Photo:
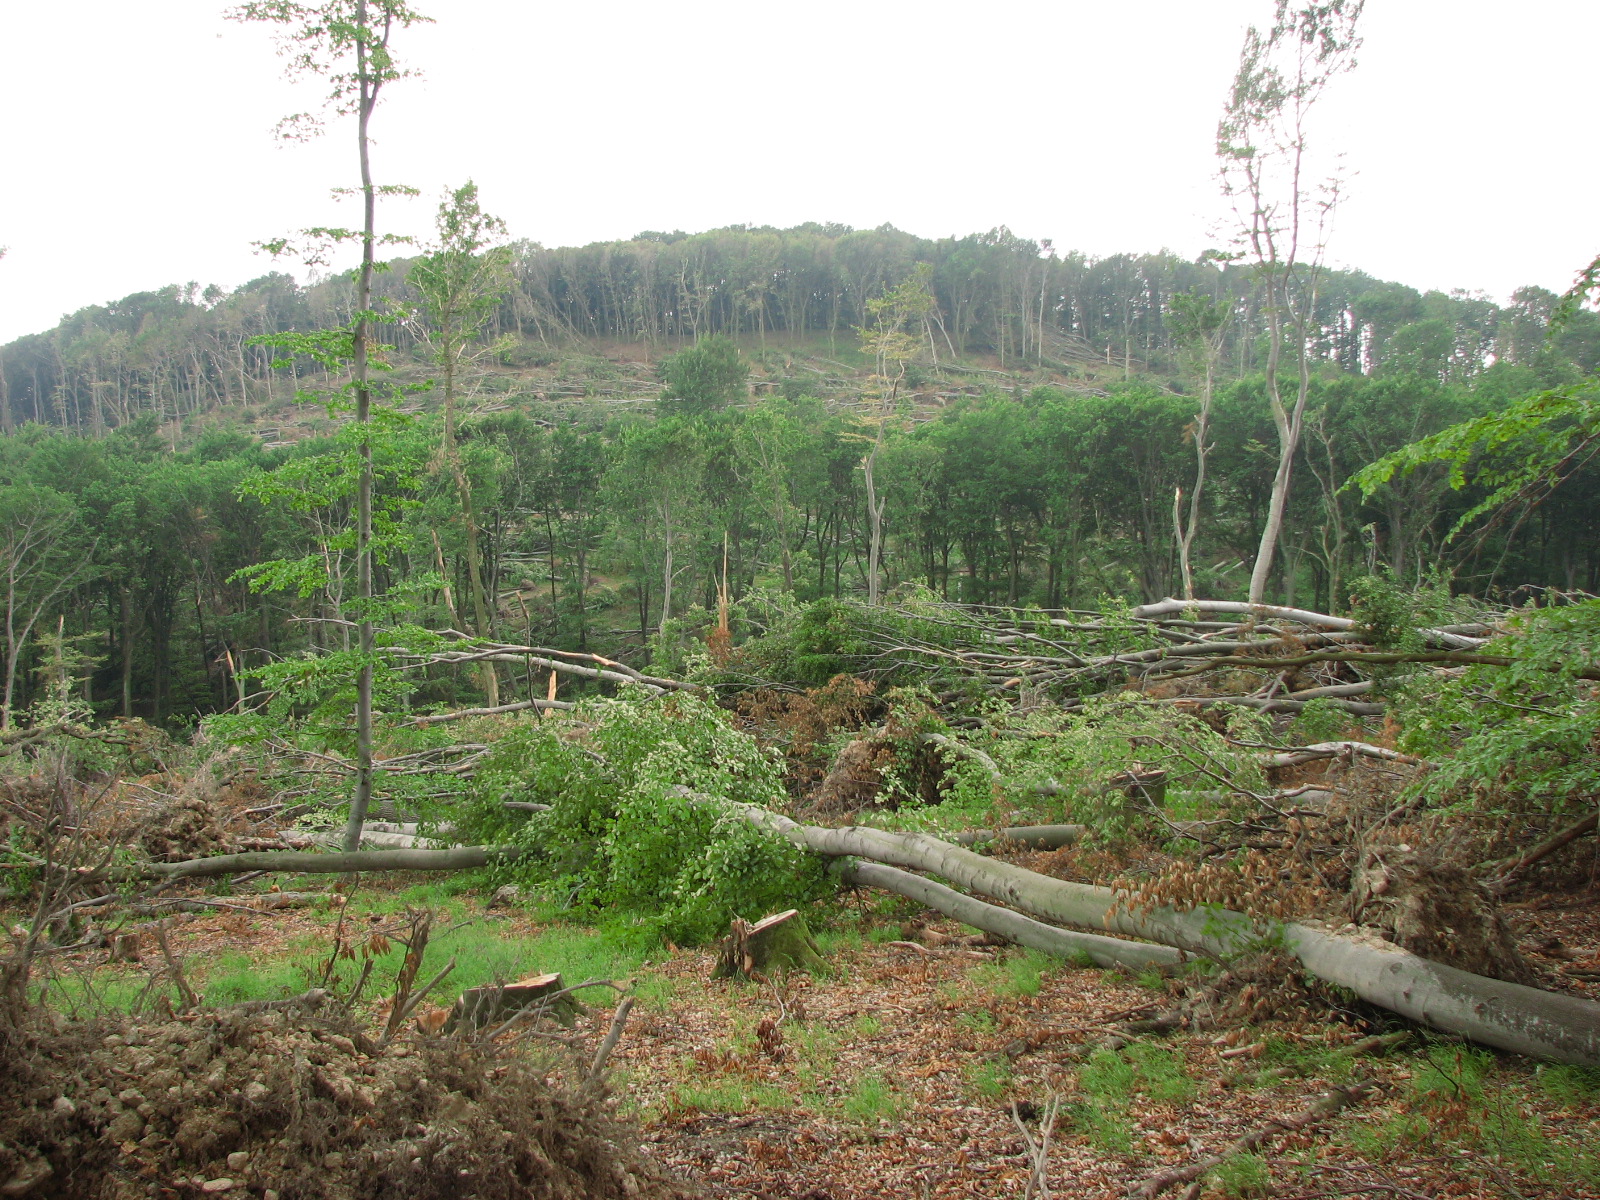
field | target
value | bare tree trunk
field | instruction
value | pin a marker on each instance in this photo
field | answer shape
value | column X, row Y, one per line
column 666, row 570
column 874, row 519
column 362, row 798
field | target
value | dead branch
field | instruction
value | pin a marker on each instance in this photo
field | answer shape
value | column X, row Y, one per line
column 613, row 1035
column 1511, row 868
column 519, row 706
column 1329, row 1103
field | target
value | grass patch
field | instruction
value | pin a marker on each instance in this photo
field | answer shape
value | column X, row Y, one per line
column 1307, row 1058
column 1569, row 1084
column 729, row 1096
column 1017, row 975
column 868, row 1026
column 1110, row 1080
column 979, row 1021
column 872, row 1100
column 1244, row 1175
column 988, row 1080
column 1463, row 1100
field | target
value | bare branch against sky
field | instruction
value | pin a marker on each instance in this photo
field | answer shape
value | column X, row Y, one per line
column 139, row 151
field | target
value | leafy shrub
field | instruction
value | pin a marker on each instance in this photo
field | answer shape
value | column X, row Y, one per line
column 1524, row 731
column 642, row 814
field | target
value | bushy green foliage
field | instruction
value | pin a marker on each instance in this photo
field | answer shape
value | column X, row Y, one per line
column 1063, row 766
column 1507, row 737
column 643, row 814
column 706, row 378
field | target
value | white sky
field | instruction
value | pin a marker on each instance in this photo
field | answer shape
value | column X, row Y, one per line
column 137, row 144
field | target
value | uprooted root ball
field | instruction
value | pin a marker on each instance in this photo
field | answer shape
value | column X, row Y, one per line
column 293, row 1104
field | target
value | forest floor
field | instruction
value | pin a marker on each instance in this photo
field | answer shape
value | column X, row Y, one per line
column 896, row 1073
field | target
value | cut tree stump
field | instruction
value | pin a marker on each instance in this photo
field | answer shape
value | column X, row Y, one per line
column 538, row 995
column 780, row 942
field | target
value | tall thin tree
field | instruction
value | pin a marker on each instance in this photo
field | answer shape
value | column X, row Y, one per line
column 461, row 282
column 1262, row 143
column 347, row 43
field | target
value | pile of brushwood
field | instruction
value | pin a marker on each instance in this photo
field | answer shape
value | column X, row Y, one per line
column 296, row 1102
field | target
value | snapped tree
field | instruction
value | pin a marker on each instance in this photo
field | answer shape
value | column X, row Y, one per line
column 1262, row 143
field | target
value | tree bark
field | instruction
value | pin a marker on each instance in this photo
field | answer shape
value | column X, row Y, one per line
column 781, row 942
column 1508, row 1016
column 462, row 858
column 1014, row 927
column 366, row 639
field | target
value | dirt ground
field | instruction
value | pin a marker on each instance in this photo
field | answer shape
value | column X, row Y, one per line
column 896, row 1075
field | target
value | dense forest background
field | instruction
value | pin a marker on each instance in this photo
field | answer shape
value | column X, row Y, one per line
column 643, row 423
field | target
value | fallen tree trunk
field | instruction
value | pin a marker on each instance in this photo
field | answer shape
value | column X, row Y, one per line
column 1508, row 1016
column 1301, row 616
column 1036, row 837
column 461, row 858
column 1014, row 927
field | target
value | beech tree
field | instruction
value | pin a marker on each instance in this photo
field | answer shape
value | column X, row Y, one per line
column 39, row 560
column 1262, row 143
column 347, row 43
column 461, row 283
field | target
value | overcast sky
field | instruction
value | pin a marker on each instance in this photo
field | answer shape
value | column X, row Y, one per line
column 138, row 148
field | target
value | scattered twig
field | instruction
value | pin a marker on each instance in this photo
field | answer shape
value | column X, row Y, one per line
column 613, row 1035
column 1038, row 1148
column 1330, row 1102
column 185, row 992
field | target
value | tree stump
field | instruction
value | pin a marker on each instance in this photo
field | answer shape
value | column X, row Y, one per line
column 484, row 1007
column 780, row 942
column 1141, row 783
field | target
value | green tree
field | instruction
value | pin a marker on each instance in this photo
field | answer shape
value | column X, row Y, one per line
column 1262, row 149
column 706, row 378
column 347, row 43
column 41, row 557
column 461, row 283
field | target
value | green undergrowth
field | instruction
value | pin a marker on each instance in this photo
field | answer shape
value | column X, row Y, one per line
column 643, row 816
column 1110, row 1082
column 1015, row 975
column 483, row 948
column 1493, row 1116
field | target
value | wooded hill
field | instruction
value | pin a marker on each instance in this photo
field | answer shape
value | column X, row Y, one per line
column 1043, row 422
column 182, row 350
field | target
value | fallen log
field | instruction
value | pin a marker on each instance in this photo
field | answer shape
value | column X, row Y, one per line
column 1508, row 1016
column 1036, row 837
column 1448, row 637
column 461, row 858
column 1014, row 927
